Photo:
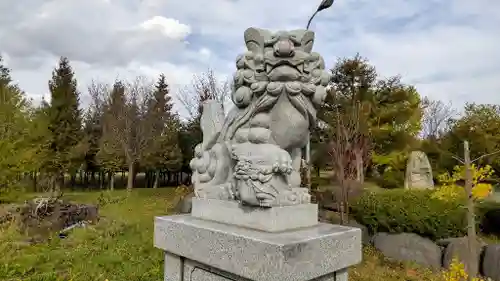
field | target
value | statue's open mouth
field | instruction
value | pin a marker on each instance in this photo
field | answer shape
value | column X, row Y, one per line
column 284, row 69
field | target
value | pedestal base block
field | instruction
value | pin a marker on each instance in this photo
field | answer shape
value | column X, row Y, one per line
column 197, row 249
column 274, row 219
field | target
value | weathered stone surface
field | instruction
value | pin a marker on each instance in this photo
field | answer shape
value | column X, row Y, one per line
column 409, row 247
column 491, row 262
column 211, row 121
column 172, row 267
column 266, row 219
column 297, row 255
column 180, row 269
column 365, row 235
column 256, row 154
column 446, row 241
column 418, row 171
column 459, row 248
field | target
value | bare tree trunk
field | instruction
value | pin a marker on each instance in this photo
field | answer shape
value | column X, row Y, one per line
column 62, row 181
column 101, row 179
column 360, row 175
column 54, row 184
column 73, row 180
column 342, row 213
column 345, row 199
column 35, row 187
column 471, row 222
column 111, row 181
column 81, row 177
column 131, row 176
column 157, row 178
column 58, row 182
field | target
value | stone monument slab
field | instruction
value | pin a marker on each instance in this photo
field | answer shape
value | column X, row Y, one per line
column 235, row 253
column 266, row 219
column 418, row 171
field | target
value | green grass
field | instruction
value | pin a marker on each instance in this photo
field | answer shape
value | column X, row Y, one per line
column 120, row 247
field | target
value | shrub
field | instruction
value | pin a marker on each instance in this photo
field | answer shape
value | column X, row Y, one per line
column 457, row 272
column 390, row 179
column 414, row 211
column 451, row 190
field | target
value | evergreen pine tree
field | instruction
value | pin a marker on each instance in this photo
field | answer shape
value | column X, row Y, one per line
column 164, row 151
column 65, row 122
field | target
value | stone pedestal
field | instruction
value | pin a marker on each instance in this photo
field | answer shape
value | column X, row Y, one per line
column 210, row 244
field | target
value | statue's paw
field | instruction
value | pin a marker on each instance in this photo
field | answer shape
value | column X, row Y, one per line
column 283, row 162
column 265, row 200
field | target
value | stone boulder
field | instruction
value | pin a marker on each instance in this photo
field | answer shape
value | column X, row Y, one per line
column 409, row 247
column 326, row 216
column 491, row 262
column 365, row 235
column 459, row 248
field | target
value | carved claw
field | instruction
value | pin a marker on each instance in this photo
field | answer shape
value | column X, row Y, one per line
column 283, row 163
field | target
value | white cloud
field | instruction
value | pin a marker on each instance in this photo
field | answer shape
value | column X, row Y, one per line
column 447, row 49
column 169, row 27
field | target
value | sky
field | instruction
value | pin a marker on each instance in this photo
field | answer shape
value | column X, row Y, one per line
column 448, row 50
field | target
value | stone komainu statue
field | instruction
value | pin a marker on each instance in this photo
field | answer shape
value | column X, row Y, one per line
column 254, row 154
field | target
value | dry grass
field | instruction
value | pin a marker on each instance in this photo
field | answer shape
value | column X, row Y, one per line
column 377, row 268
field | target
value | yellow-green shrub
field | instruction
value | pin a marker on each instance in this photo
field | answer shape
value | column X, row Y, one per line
column 450, row 190
column 457, row 272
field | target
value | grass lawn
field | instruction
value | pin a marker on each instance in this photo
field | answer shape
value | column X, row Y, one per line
column 120, row 247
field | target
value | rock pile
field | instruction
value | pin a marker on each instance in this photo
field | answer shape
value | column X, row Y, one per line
column 42, row 216
column 413, row 248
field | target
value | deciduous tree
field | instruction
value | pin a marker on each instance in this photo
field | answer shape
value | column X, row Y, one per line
column 113, row 141
column 22, row 134
column 349, row 145
column 393, row 112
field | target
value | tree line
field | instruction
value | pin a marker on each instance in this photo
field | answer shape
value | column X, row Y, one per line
column 128, row 128
column 370, row 124
column 366, row 129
